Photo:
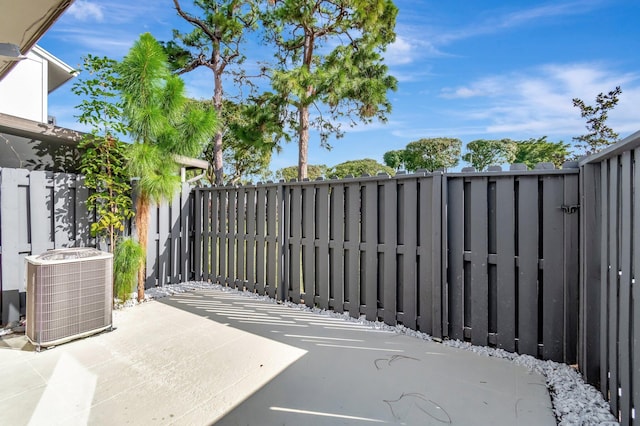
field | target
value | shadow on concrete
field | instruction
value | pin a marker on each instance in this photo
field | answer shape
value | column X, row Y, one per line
column 353, row 374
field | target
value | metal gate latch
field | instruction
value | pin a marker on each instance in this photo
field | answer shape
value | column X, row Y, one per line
column 570, row 208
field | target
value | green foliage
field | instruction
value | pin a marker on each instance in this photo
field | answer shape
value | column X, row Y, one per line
column 432, row 154
column 291, row 172
column 127, row 259
column 482, row 153
column 103, row 161
column 162, row 121
column 599, row 135
column 329, row 58
column 357, row 168
column 395, row 159
column 534, row 151
column 248, row 140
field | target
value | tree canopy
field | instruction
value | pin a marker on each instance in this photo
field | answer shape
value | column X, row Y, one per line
column 219, row 29
column 432, row 154
column 534, row 151
column 329, row 60
column 482, row 153
column 358, row 168
column 291, row 172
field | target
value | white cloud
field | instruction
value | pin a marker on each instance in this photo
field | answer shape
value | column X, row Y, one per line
column 399, row 52
column 540, row 101
column 514, row 19
column 84, row 10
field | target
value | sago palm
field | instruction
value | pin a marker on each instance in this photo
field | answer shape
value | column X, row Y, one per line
column 163, row 123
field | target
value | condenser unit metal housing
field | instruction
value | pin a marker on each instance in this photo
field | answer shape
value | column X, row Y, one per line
column 69, row 295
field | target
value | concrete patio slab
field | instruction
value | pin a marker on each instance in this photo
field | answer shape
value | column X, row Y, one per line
column 218, row 357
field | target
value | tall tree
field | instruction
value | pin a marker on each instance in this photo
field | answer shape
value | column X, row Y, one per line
column 432, row 154
column 599, row 135
column 162, row 123
column 214, row 43
column 534, row 151
column 358, row 168
column 329, row 60
column 482, row 153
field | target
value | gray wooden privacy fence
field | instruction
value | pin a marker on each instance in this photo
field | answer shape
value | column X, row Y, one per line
column 610, row 296
column 42, row 210
column 38, row 211
column 488, row 257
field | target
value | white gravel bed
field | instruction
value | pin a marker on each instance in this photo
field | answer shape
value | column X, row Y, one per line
column 574, row 401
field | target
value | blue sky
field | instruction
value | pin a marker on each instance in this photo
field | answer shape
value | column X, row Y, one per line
column 466, row 69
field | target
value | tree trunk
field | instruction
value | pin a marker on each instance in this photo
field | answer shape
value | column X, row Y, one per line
column 142, row 226
column 217, row 159
column 303, row 109
column 217, row 104
column 303, row 142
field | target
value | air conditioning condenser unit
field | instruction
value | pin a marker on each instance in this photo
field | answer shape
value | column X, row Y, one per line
column 69, row 295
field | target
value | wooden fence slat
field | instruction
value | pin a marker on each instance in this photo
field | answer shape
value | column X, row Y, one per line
column 41, row 238
column 241, row 267
column 590, row 297
column 164, row 243
column 231, row 233
column 212, row 239
column 635, row 287
column 455, row 238
column 624, row 275
column 251, row 238
column 352, row 248
column 285, row 230
column 439, row 301
column 336, row 285
column 604, row 280
column 174, row 238
column 64, row 211
column 479, row 255
column 295, row 237
column 553, row 292
column 209, row 259
column 186, row 222
column 322, row 242
column 222, row 234
column 272, row 241
column 505, row 250
column 10, row 281
column 410, row 240
column 571, row 279
column 613, row 283
column 528, row 265
column 308, row 245
column 390, row 223
column 83, row 217
column 369, row 281
column 199, row 230
column 153, row 264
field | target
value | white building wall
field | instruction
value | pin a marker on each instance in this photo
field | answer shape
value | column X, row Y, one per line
column 23, row 92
